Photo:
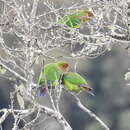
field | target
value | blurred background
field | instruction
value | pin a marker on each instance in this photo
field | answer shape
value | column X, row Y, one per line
column 111, row 101
column 112, row 96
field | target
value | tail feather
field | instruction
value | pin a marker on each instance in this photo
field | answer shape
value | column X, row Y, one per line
column 86, row 86
column 88, row 89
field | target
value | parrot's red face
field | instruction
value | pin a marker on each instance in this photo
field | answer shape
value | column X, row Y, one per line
column 64, row 67
column 86, row 17
column 90, row 14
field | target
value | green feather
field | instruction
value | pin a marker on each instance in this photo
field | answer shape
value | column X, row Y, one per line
column 71, row 21
column 72, row 82
column 75, row 78
column 51, row 73
column 76, row 19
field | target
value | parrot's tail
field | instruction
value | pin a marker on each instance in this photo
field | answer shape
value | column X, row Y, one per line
column 88, row 89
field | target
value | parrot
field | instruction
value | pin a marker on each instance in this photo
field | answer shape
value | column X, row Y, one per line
column 74, row 82
column 76, row 19
column 51, row 75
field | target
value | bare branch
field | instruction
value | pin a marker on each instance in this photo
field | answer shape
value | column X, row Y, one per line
column 4, row 116
column 91, row 114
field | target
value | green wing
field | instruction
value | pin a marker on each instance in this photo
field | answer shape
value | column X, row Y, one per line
column 72, row 82
column 71, row 21
column 75, row 78
column 76, row 19
column 72, row 87
column 42, row 79
column 50, row 73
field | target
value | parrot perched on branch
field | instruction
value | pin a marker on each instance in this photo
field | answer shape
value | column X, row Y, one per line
column 76, row 19
column 76, row 83
column 51, row 74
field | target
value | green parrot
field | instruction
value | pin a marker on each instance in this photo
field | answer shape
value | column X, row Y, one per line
column 75, row 83
column 76, row 19
column 51, row 75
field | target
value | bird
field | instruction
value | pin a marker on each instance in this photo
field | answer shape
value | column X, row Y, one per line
column 51, row 75
column 76, row 19
column 74, row 82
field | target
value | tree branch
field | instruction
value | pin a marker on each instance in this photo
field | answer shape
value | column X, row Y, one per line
column 91, row 114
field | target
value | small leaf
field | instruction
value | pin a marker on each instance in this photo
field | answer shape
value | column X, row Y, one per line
column 127, row 76
column 20, row 100
column 128, row 51
column 20, row 95
column 1, row 40
column 2, row 70
column 37, row 61
column 22, row 89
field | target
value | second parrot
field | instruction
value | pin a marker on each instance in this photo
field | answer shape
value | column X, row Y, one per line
column 75, row 83
column 76, row 19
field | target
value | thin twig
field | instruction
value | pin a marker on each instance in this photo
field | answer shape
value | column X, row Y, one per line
column 91, row 114
column 4, row 116
column 13, row 72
